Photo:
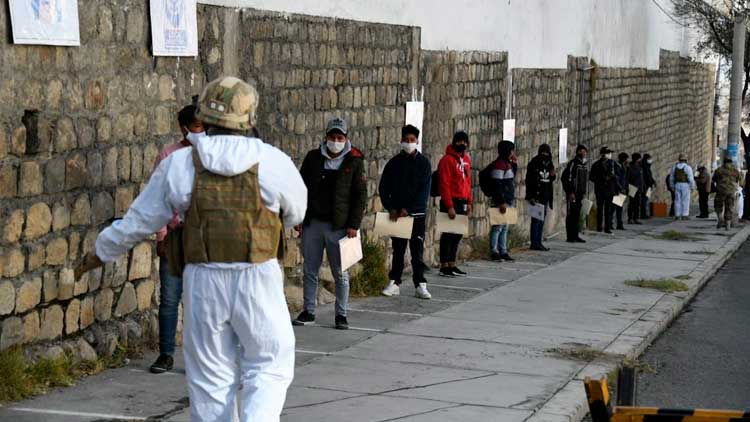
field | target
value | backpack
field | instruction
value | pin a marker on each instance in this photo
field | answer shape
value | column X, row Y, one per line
column 435, row 185
column 680, row 176
column 485, row 180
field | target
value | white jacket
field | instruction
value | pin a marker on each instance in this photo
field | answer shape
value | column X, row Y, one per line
column 171, row 184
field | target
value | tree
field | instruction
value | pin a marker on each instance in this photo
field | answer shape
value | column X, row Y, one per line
column 714, row 21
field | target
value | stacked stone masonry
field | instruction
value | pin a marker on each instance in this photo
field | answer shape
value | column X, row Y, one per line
column 80, row 129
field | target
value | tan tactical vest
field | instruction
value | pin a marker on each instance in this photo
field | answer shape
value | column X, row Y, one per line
column 680, row 176
column 227, row 220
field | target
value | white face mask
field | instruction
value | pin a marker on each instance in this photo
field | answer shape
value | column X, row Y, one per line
column 408, row 147
column 193, row 137
column 649, row 161
column 608, row 156
column 335, row 147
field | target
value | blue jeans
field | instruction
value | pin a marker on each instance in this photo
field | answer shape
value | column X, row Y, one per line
column 170, row 294
column 537, row 230
column 499, row 239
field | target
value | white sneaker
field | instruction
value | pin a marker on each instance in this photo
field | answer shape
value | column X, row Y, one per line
column 422, row 292
column 392, row 289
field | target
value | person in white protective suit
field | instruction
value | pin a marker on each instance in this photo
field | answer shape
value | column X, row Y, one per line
column 233, row 191
column 682, row 182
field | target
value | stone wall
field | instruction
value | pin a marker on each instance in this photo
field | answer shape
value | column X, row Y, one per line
column 80, row 129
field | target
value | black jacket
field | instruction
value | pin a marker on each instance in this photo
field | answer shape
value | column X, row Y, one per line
column 405, row 183
column 621, row 172
column 349, row 190
column 648, row 176
column 539, row 178
column 604, row 178
column 575, row 178
column 635, row 176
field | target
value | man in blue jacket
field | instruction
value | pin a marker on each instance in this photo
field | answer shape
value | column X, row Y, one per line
column 404, row 190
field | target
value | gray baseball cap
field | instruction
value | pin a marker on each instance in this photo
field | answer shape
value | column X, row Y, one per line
column 338, row 124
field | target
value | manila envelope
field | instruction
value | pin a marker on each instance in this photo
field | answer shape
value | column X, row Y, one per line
column 619, row 200
column 400, row 228
column 459, row 225
column 351, row 251
column 497, row 218
column 632, row 191
column 586, row 206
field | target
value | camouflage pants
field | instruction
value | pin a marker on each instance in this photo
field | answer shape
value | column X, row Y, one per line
column 725, row 204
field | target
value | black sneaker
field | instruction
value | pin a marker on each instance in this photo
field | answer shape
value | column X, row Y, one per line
column 620, row 227
column 304, row 318
column 341, row 323
column 447, row 272
column 458, row 272
column 163, row 364
column 494, row 256
column 608, row 231
column 506, row 257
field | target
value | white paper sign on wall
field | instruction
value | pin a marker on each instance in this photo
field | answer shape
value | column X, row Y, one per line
column 563, row 145
column 48, row 22
column 509, row 130
column 415, row 117
column 174, row 27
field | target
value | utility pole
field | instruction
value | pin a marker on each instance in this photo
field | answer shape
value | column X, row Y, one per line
column 735, row 96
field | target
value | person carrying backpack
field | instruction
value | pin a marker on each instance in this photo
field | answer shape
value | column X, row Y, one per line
column 681, row 180
column 497, row 181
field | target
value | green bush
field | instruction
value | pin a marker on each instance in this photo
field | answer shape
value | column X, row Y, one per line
column 372, row 276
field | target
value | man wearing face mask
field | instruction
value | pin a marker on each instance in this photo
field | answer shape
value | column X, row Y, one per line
column 232, row 190
column 575, row 184
column 621, row 172
column 606, row 187
column 648, row 183
column 454, row 175
column 540, row 173
column 502, row 193
column 170, row 283
column 336, row 184
column 635, row 178
column 404, row 191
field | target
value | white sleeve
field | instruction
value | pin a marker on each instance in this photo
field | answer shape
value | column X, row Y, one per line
column 282, row 187
column 168, row 189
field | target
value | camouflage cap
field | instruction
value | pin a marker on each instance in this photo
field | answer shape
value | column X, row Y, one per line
column 228, row 102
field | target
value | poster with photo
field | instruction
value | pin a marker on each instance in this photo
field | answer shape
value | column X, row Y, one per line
column 47, row 22
column 509, row 130
column 563, row 146
column 415, row 117
column 174, row 27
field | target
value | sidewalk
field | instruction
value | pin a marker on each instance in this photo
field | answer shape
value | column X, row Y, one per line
column 487, row 347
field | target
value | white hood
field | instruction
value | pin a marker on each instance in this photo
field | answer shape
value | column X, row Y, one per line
column 682, row 166
column 229, row 155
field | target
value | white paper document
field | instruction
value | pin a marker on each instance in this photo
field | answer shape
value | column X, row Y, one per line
column 649, row 192
column 459, row 225
column 174, row 27
column 563, row 146
column 50, row 22
column 400, row 228
column 415, row 117
column 497, row 218
column 586, row 206
column 619, row 200
column 509, row 130
column 632, row 191
column 536, row 211
column 351, row 251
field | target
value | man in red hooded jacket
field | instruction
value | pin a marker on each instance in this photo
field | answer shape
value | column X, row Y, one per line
column 454, row 174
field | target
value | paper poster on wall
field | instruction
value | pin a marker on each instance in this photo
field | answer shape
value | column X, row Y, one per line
column 563, row 146
column 509, row 130
column 415, row 117
column 48, row 22
column 174, row 27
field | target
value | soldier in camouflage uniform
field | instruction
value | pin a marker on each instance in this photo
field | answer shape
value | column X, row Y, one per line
column 726, row 179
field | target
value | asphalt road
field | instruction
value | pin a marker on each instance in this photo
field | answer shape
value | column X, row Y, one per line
column 703, row 360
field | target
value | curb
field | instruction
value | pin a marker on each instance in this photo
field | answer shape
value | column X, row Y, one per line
column 569, row 404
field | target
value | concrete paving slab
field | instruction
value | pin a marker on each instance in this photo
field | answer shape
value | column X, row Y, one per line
column 470, row 413
column 346, row 374
column 372, row 408
column 298, row 396
column 504, row 390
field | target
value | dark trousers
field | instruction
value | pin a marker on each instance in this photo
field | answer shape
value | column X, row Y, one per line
column 703, row 202
column 416, row 247
column 573, row 219
column 449, row 242
column 618, row 215
column 537, row 230
column 634, row 207
column 604, row 211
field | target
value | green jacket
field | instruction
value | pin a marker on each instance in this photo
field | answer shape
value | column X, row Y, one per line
column 350, row 190
column 727, row 178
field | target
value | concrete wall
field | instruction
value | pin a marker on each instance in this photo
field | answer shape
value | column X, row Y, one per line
column 535, row 33
column 80, row 128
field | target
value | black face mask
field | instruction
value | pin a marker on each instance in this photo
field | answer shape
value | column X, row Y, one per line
column 459, row 148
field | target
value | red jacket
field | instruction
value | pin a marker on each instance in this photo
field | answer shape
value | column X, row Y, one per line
column 454, row 173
